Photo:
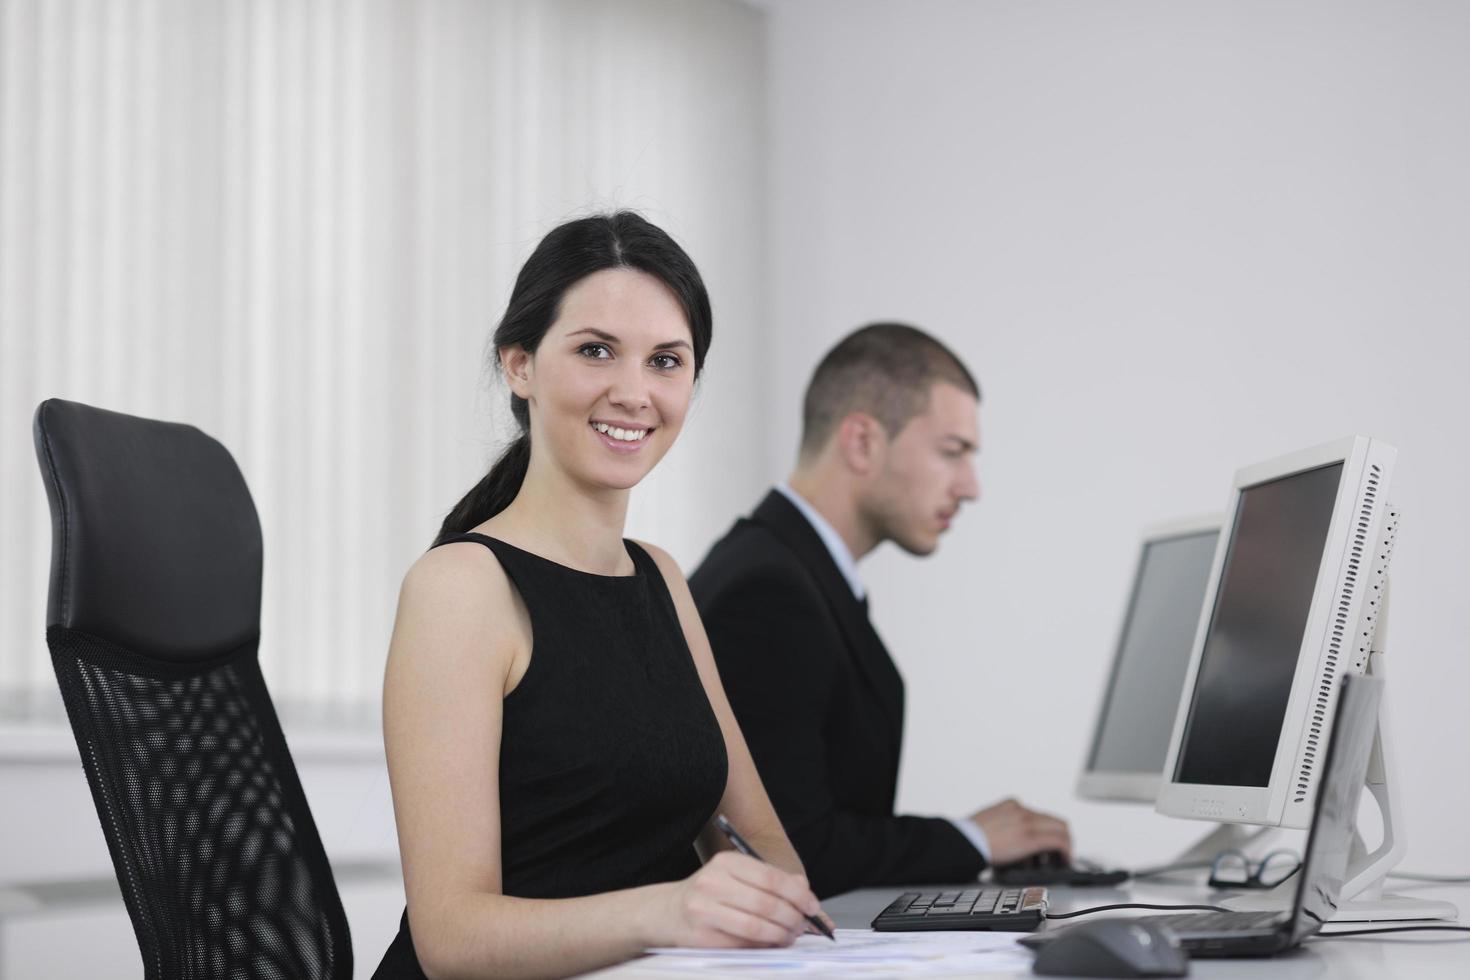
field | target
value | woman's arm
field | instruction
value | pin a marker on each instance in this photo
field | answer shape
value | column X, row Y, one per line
column 461, row 641
column 745, row 803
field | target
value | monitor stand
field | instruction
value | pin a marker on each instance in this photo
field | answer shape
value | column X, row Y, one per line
column 1225, row 837
column 1362, row 898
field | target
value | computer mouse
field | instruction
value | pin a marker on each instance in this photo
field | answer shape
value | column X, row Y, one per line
column 1041, row 861
column 1112, row 948
column 1053, row 868
column 1046, row 860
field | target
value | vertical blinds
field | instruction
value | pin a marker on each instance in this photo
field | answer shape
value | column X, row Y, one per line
column 294, row 224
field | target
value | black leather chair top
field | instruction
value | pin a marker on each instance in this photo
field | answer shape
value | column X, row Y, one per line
column 167, row 571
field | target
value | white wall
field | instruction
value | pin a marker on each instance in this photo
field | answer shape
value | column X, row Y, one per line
column 295, row 225
column 1171, row 239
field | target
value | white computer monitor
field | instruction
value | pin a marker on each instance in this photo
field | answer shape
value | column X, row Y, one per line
column 1292, row 601
column 1130, row 739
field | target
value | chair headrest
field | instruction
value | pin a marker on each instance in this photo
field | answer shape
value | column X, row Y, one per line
column 155, row 542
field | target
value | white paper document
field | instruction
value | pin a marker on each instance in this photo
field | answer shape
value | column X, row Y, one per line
column 857, row 952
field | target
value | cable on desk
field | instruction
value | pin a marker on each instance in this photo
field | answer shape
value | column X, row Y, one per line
column 1133, row 905
column 1374, row 932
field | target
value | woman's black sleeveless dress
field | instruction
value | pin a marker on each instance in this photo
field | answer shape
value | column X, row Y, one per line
column 611, row 759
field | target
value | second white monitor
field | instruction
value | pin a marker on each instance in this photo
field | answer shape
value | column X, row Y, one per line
column 1131, row 739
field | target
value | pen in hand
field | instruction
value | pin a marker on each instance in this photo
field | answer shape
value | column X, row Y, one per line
column 739, row 844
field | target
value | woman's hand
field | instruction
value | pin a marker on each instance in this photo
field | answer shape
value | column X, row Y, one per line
column 735, row 900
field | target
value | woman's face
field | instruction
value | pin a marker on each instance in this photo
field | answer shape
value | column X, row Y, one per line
column 611, row 381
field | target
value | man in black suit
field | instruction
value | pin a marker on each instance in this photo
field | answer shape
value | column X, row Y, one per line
column 890, row 429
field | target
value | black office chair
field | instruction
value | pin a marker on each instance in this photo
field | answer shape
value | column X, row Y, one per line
column 153, row 620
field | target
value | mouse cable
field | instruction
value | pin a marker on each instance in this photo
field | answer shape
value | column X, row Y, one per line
column 1132, row 905
column 1421, row 876
column 1374, row 932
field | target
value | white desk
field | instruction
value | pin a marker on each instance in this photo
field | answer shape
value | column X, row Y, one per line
column 1421, row 956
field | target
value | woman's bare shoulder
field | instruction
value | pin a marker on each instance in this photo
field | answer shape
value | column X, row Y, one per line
column 672, row 573
column 460, row 586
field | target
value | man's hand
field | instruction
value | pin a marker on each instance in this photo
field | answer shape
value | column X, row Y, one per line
column 1016, row 832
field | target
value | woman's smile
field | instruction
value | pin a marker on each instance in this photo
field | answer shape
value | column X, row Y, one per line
column 621, row 437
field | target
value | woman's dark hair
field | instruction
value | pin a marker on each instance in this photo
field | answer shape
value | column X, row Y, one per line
column 569, row 254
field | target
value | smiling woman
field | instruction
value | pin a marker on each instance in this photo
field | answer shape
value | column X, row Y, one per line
column 558, row 740
column 610, row 399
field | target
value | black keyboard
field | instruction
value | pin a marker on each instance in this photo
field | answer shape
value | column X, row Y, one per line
column 1000, row 909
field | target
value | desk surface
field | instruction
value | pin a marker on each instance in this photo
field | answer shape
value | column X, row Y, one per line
column 1427, row 955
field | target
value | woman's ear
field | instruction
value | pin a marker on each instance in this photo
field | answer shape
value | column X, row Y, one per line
column 516, row 364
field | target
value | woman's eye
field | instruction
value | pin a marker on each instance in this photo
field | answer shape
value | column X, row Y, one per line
column 599, row 351
column 666, row 362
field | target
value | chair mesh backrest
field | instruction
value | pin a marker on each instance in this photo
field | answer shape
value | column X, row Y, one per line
column 219, row 862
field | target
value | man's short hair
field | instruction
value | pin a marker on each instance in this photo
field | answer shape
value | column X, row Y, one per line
column 883, row 369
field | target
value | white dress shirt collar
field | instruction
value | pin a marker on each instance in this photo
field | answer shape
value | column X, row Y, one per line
column 835, row 545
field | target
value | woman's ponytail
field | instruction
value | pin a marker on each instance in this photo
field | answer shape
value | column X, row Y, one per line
column 493, row 493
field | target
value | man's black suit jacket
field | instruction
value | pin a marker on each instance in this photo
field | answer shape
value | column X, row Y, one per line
column 821, row 705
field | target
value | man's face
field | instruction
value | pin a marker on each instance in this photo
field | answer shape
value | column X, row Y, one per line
column 927, row 471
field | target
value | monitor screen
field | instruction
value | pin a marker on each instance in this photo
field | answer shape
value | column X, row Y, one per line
column 1256, row 628
column 1153, row 655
